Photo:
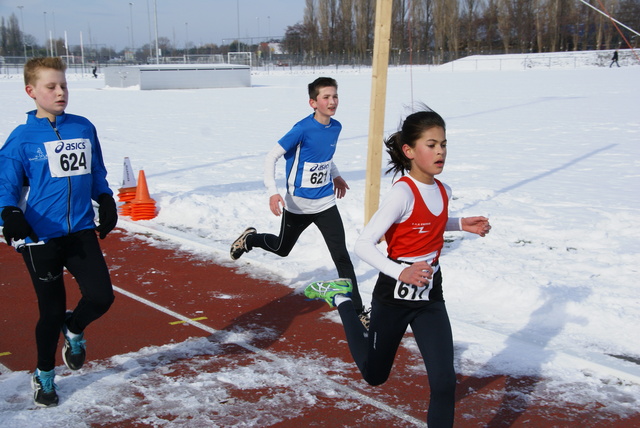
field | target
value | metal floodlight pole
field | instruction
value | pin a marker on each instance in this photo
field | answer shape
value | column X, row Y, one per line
column 155, row 13
column 133, row 48
column 24, row 44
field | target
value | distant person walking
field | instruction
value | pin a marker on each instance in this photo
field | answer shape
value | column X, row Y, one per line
column 95, row 71
column 614, row 59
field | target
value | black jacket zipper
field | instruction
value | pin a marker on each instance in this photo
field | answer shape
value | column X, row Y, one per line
column 55, row 129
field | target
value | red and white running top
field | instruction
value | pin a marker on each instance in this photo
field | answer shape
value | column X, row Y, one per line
column 413, row 231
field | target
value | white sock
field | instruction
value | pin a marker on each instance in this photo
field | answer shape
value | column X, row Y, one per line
column 340, row 298
column 72, row 335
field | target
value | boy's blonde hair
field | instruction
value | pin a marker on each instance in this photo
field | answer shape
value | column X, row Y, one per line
column 34, row 65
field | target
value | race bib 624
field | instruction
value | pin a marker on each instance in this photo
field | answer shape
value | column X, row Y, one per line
column 69, row 157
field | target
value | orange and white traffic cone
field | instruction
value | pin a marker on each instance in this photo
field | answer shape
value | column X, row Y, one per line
column 127, row 192
column 142, row 207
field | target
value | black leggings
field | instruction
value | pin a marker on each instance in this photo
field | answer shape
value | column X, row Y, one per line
column 330, row 225
column 80, row 253
column 374, row 352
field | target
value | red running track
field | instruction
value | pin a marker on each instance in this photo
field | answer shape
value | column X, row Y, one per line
column 189, row 285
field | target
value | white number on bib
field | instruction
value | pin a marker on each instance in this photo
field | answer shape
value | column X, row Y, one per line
column 316, row 174
column 411, row 292
column 69, row 157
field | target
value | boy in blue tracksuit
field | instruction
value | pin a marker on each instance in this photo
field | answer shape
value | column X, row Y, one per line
column 51, row 171
column 313, row 183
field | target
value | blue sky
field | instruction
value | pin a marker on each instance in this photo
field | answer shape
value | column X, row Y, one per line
column 109, row 22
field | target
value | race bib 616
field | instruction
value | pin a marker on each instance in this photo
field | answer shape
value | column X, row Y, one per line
column 316, row 174
column 69, row 157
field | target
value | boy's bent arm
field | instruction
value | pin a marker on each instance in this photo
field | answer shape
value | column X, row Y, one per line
column 11, row 181
column 340, row 187
column 276, row 202
column 270, row 168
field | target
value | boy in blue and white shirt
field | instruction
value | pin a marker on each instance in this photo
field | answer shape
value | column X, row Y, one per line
column 313, row 183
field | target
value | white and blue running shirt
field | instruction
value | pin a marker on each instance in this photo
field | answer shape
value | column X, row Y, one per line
column 308, row 149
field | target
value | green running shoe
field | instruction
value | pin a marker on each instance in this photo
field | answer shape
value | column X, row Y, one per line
column 327, row 290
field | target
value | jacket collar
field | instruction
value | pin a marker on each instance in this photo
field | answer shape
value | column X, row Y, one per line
column 31, row 118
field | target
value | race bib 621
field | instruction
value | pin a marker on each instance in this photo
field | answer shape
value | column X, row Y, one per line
column 316, row 174
column 69, row 157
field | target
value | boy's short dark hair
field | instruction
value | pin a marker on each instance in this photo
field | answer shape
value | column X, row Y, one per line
column 320, row 82
column 36, row 64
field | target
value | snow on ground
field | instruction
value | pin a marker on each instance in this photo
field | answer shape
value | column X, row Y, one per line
column 551, row 155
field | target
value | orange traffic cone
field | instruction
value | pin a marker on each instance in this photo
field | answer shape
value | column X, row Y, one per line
column 142, row 207
column 128, row 190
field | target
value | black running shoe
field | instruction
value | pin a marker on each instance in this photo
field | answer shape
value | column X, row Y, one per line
column 365, row 318
column 239, row 246
column 74, row 349
column 44, row 388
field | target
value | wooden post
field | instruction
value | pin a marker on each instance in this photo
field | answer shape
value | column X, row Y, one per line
column 381, row 42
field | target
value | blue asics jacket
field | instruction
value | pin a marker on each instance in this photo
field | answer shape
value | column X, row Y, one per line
column 62, row 164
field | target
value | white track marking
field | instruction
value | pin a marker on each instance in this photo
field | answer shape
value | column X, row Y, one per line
column 273, row 357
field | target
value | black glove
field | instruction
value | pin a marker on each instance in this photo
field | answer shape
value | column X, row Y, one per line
column 16, row 226
column 107, row 214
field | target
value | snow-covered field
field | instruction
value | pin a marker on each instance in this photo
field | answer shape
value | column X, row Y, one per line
column 551, row 155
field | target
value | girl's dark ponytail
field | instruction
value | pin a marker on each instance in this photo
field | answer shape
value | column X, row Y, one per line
column 398, row 162
column 412, row 128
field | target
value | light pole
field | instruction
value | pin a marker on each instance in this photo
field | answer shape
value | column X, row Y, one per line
column 155, row 14
column 186, row 40
column 133, row 48
column 45, row 34
column 238, row 15
column 24, row 45
column 54, row 52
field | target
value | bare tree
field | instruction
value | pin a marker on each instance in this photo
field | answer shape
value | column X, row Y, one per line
column 311, row 42
column 469, row 24
column 608, row 28
column 10, row 37
column 445, row 22
column 443, row 27
column 364, row 13
column 505, row 25
column 538, row 11
column 345, row 27
column 421, row 28
column 398, row 27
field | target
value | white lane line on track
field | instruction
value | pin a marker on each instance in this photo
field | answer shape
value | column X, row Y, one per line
column 273, row 357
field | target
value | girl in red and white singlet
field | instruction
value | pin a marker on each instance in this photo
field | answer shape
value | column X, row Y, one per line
column 412, row 219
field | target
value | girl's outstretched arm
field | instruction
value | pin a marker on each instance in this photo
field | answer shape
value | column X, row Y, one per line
column 478, row 225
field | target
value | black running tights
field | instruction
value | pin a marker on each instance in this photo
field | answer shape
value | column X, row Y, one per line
column 374, row 352
column 330, row 225
column 80, row 253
